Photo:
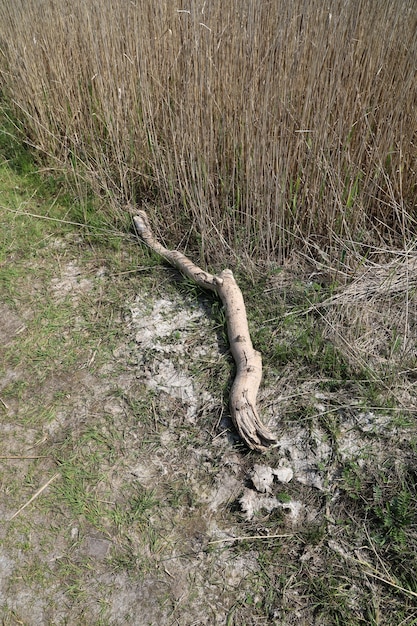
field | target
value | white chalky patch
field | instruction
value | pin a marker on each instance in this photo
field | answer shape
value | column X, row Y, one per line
column 253, row 502
column 168, row 329
column 284, row 474
column 262, row 477
column 305, row 457
column 71, row 281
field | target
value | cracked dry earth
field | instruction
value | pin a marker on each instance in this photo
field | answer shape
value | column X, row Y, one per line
column 151, row 492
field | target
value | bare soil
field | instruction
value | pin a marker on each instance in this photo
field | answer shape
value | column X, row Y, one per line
column 114, row 384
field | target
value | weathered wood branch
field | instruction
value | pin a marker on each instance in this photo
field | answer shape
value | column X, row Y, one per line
column 248, row 361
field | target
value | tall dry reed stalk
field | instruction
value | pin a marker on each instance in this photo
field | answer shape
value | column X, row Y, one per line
column 259, row 126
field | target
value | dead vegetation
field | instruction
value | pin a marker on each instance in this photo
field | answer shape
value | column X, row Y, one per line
column 373, row 320
column 257, row 127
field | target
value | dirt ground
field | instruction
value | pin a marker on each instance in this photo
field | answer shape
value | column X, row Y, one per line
column 126, row 497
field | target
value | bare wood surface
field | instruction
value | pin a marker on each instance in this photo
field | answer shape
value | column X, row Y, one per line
column 248, row 361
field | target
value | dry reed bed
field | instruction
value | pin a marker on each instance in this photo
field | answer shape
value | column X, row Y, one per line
column 257, row 126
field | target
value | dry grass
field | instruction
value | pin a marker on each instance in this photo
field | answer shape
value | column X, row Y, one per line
column 256, row 126
column 373, row 320
column 370, row 316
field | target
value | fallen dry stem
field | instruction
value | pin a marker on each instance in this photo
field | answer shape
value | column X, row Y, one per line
column 249, row 538
column 4, row 404
column 23, row 457
column 248, row 361
column 375, row 574
column 35, row 495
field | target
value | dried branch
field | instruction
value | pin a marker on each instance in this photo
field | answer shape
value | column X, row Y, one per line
column 248, row 361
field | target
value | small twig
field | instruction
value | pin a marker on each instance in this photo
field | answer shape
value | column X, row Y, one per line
column 4, row 404
column 226, row 430
column 371, row 570
column 39, row 442
column 385, row 580
column 35, row 495
column 250, row 537
column 60, row 220
column 24, row 457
